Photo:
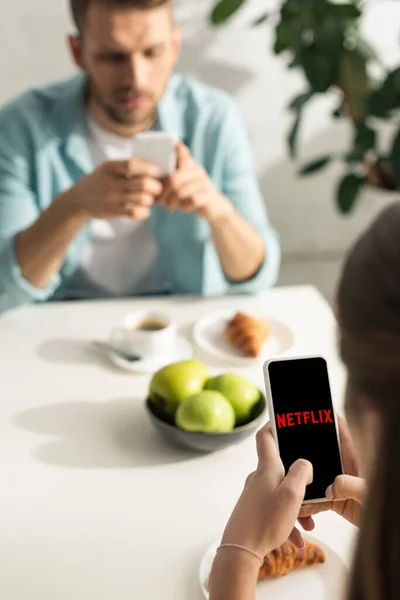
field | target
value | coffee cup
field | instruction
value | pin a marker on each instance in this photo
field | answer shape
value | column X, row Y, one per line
column 146, row 334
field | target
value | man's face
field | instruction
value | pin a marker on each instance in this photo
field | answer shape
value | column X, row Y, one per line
column 129, row 55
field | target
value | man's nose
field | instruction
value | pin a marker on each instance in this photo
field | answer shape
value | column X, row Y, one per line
column 138, row 72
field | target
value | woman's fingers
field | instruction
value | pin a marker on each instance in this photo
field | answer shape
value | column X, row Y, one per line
column 268, row 457
column 307, row 523
column 299, row 476
column 346, row 487
column 308, row 510
column 296, row 538
column 349, row 457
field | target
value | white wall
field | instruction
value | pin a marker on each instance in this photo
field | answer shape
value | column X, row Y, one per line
column 238, row 59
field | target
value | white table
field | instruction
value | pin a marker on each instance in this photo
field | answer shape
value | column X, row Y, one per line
column 93, row 505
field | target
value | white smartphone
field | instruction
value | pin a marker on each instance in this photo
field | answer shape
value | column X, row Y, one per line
column 303, row 419
column 157, row 147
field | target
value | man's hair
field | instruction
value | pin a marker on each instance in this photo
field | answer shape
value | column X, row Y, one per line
column 79, row 8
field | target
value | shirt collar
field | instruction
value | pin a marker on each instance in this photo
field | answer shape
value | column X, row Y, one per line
column 69, row 122
column 170, row 109
column 69, row 118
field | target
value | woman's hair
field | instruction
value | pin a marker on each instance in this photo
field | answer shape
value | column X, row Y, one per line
column 369, row 320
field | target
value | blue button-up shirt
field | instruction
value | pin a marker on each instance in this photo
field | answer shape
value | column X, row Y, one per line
column 44, row 150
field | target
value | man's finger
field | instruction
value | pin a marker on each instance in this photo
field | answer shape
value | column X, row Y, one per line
column 181, row 178
column 133, row 168
column 183, row 155
column 170, row 201
column 346, row 487
column 145, row 184
column 196, row 204
column 138, row 213
column 190, row 189
column 141, row 199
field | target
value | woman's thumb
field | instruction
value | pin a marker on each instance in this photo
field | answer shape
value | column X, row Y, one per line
column 298, row 477
column 347, row 487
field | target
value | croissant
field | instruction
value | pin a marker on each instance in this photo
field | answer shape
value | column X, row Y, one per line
column 287, row 558
column 247, row 334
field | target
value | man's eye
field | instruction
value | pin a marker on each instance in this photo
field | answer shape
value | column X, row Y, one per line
column 154, row 52
column 113, row 58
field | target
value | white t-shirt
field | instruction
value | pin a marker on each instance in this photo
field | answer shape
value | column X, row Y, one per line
column 121, row 258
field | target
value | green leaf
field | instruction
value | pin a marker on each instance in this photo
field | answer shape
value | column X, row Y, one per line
column 261, row 20
column 320, row 59
column 315, row 165
column 395, row 157
column 354, row 82
column 386, row 99
column 282, row 37
column 293, row 134
column 291, row 9
column 348, row 191
column 364, row 140
column 300, row 100
column 346, row 11
column 319, row 70
column 224, row 10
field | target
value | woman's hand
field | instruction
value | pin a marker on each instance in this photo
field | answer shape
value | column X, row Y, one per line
column 262, row 520
column 267, row 510
column 346, row 494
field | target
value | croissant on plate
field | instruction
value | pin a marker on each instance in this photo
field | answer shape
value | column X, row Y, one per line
column 247, row 334
column 287, row 558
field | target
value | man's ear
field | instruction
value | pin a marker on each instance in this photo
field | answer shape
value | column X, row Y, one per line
column 177, row 43
column 75, row 46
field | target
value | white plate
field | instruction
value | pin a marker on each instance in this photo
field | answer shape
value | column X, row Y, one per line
column 183, row 351
column 209, row 335
column 319, row 582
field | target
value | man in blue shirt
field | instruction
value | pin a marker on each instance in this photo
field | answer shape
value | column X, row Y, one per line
column 81, row 218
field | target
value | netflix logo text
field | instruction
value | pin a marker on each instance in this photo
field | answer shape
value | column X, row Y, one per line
column 303, row 418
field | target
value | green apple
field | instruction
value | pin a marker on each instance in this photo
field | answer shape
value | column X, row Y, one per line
column 175, row 382
column 242, row 394
column 208, row 412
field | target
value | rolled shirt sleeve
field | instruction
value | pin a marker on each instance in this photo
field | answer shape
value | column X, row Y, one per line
column 241, row 186
column 18, row 210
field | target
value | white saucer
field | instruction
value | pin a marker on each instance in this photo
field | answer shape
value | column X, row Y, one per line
column 182, row 351
column 209, row 335
column 319, row 582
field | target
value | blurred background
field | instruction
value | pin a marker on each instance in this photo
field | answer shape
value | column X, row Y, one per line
column 239, row 59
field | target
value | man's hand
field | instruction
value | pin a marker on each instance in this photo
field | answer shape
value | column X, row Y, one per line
column 190, row 189
column 117, row 189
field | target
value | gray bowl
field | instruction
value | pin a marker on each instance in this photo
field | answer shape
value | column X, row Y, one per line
column 205, row 442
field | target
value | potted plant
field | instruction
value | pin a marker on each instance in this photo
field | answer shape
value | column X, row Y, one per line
column 322, row 39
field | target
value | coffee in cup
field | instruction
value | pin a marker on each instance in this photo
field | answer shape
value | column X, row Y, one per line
column 151, row 325
column 146, row 334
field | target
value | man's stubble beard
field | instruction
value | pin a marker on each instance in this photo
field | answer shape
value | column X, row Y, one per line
column 121, row 117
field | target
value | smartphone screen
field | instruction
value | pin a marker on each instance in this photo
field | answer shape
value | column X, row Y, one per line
column 305, row 420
